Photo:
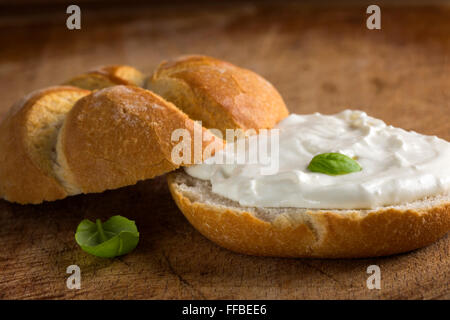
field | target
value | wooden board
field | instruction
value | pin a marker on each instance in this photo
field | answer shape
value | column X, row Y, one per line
column 321, row 58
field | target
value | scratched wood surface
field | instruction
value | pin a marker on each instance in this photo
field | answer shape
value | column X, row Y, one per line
column 321, row 58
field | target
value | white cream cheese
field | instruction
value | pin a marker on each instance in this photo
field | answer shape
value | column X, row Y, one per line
column 398, row 166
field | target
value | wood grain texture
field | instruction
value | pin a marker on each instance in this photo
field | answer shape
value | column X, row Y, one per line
column 321, row 58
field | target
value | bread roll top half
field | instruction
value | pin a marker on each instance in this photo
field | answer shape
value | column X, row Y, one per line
column 219, row 93
column 67, row 140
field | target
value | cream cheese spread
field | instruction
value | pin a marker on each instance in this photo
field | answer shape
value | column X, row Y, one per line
column 398, row 166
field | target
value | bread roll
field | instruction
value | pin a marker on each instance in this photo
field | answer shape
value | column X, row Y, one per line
column 219, row 93
column 309, row 233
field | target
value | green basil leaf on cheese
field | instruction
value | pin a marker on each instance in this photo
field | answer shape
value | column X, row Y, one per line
column 333, row 164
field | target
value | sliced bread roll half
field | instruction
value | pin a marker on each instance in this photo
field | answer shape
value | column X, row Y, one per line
column 108, row 76
column 219, row 93
column 120, row 135
column 28, row 136
column 297, row 232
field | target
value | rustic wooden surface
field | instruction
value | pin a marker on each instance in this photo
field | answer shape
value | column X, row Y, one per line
column 321, row 59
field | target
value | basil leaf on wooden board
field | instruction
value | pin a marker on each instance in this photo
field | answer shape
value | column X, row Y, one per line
column 115, row 237
column 333, row 164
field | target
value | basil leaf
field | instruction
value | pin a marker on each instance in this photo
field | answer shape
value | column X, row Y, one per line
column 333, row 164
column 115, row 237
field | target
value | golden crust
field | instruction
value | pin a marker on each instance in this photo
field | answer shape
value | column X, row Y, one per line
column 25, row 138
column 108, row 76
column 219, row 93
column 323, row 234
column 118, row 136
